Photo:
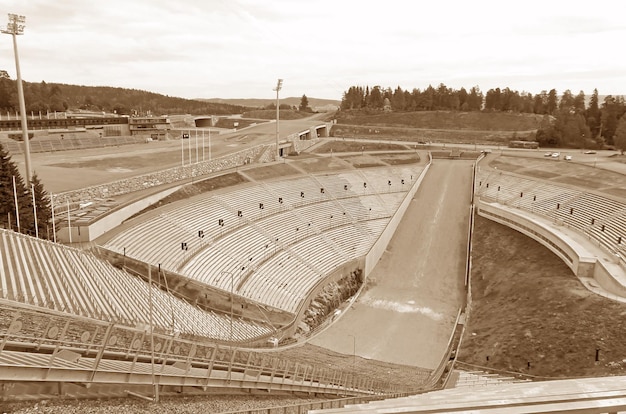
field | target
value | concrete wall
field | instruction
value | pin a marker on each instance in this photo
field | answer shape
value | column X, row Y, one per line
column 572, row 254
column 110, row 221
column 606, row 278
column 379, row 247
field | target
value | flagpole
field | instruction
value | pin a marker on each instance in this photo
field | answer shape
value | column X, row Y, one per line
column 54, row 229
column 17, row 209
column 32, row 190
column 69, row 225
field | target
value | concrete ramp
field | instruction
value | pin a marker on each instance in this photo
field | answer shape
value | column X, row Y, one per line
column 408, row 309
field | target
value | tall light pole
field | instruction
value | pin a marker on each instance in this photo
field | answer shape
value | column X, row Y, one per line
column 15, row 27
column 279, row 85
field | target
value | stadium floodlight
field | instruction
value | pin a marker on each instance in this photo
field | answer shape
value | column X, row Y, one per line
column 15, row 27
column 278, row 87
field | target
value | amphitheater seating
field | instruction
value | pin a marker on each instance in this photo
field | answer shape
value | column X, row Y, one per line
column 273, row 254
column 71, row 280
column 599, row 217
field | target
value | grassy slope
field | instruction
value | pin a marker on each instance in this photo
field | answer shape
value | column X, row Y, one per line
column 480, row 121
column 529, row 307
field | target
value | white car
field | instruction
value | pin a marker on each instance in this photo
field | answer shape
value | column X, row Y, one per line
column 556, row 155
column 567, row 158
column 590, row 152
column 547, row 154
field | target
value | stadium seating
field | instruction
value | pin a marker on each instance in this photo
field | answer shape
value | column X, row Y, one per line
column 599, row 217
column 74, row 281
column 279, row 237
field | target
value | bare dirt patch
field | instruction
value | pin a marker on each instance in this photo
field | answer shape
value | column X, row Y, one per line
column 528, row 307
column 397, row 159
column 355, row 146
column 271, row 171
column 322, row 164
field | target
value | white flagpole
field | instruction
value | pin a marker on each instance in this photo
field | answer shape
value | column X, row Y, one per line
column 209, row 145
column 182, row 150
column 203, row 145
column 196, row 145
column 17, row 209
column 69, row 225
column 32, row 190
column 54, row 229
column 189, row 145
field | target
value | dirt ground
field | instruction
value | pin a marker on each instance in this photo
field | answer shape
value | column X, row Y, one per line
column 528, row 307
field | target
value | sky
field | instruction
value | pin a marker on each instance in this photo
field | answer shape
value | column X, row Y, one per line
column 240, row 48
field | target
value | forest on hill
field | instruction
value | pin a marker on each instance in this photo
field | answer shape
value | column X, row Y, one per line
column 50, row 97
column 568, row 120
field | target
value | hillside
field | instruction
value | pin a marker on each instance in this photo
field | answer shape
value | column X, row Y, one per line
column 44, row 97
column 444, row 120
column 285, row 114
column 318, row 105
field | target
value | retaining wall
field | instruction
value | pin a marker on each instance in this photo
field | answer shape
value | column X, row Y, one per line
column 608, row 275
column 379, row 247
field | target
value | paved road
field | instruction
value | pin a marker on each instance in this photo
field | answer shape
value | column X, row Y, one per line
column 408, row 311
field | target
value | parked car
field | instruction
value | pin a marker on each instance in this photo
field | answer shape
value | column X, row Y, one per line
column 567, row 158
column 547, row 154
column 556, row 155
column 590, row 152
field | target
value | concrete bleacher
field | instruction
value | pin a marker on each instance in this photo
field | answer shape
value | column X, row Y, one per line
column 599, row 217
column 319, row 223
column 65, row 279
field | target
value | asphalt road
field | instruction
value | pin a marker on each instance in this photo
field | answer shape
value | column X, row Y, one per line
column 408, row 310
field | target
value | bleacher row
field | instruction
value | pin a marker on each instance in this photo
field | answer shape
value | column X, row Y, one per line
column 600, row 218
column 65, row 279
column 272, row 242
column 55, row 143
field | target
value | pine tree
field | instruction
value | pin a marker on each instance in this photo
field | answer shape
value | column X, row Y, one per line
column 552, row 102
column 304, row 104
column 593, row 114
column 42, row 206
column 620, row 134
column 8, row 171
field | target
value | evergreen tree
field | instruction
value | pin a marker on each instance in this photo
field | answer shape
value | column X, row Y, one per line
column 620, row 135
column 475, row 99
column 551, row 103
column 398, row 101
column 593, row 114
column 8, row 170
column 304, row 104
column 43, row 207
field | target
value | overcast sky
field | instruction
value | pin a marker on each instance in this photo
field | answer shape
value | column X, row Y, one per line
column 239, row 48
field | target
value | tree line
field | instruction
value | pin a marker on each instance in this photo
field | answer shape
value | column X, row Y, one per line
column 569, row 120
column 17, row 211
column 50, row 97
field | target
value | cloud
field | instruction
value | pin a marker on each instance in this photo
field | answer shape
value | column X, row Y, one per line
column 238, row 48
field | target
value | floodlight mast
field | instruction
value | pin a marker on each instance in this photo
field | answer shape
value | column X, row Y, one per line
column 15, row 27
column 279, row 85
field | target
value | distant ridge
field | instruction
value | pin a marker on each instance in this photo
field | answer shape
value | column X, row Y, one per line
column 314, row 103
